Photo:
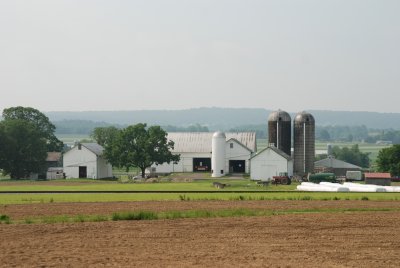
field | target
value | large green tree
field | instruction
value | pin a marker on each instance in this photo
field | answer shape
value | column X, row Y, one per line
column 389, row 160
column 39, row 120
column 104, row 135
column 352, row 155
column 139, row 146
column 23, row 149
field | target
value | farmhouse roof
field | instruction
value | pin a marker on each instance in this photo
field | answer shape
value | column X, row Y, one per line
column 332, row 162
column 378, row 176
column 201, row 142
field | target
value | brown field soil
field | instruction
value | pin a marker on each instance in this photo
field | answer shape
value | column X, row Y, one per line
column 357, row 239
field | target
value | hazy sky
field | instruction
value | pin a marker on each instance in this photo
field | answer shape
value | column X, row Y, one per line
column 174, row 54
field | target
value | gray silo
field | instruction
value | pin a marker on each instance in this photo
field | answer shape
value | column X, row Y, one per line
column 280, row 131
column 304, row 143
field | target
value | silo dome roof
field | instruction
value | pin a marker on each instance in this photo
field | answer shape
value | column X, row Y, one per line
column 304, row 117
column 219, row 134
column 279, row 116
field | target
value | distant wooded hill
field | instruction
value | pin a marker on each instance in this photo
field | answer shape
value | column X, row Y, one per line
column 217, row 118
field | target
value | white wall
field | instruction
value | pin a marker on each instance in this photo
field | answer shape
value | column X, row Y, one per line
column 104, row 169
column 268, row 164
column 238, row 152
column 96, row 168
column 184, row 165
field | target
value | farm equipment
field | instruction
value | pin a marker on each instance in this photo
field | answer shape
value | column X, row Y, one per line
column 320, row 177
column 283, row 178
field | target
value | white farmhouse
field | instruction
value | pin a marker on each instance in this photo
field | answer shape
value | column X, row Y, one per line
column 270, row 162
column 195, row 149
column 85, row 160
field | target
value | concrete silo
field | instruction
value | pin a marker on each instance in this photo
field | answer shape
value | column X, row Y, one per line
column 218, row 154
column 280, row 131
column 304, row 143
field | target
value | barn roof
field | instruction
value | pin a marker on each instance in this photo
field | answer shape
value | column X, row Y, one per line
column 201, row 142
column 95, row 148
column 53, row 156
column 276, row 150
column 239, row 143
column 332, row 162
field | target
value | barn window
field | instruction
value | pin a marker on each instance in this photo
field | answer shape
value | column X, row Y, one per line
column 231, row 145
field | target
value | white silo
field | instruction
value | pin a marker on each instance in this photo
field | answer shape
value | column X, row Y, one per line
column 218, row 154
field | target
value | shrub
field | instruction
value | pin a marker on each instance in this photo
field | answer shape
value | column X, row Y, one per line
column 364, row 198
column 28, row 221
column 4, row 217
column 184, row 198
column 79, row 218
column 129, row 216
column 99, row 218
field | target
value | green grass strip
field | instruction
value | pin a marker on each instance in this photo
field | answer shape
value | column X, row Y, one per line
column 191, row 214
column 6, row 199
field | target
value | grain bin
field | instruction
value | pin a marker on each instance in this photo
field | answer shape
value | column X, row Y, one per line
column 304, row 143
column 218, row 154
column 279, row 131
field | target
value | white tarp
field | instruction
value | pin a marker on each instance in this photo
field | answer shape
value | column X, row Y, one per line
column 345, row 187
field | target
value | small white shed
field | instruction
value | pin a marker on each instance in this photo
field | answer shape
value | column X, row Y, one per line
column 85, row 160
column 270, row 162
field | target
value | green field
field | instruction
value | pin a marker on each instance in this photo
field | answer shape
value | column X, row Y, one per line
column 72, row 138
column 184, row 197
column 100, row 185
column 280, row 192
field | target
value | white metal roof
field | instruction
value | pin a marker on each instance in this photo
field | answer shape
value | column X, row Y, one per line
column 201, row 142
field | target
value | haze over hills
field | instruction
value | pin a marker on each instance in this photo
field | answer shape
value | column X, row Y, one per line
column 225, row 118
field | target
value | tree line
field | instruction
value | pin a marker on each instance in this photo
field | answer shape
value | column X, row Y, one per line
column 26, row 135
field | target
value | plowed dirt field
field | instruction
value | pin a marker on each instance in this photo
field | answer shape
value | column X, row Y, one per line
column 356, row 239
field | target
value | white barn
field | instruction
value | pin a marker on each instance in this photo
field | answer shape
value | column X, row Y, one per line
column 195, row 149
column 270, row 162
column 86, row 160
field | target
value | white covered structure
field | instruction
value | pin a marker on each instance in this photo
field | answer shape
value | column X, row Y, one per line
column 86, row 160
column 270, row 162
column 195, row 150
column 218, row 154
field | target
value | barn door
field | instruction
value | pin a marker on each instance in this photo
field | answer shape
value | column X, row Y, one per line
column 82, row 172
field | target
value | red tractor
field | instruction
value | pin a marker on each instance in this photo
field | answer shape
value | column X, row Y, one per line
column 283, row 178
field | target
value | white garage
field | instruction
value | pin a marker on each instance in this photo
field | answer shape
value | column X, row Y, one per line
column 195, row 149
column 85, row 160
column 270, row 162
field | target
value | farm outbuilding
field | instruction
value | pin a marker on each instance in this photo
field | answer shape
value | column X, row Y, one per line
column 85, row 160
column 195, row 150
column 336, row 166
column 383, row 179
column 270, row 162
